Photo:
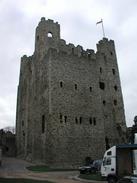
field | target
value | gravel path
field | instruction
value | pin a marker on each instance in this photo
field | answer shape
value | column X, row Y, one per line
column 15, row 168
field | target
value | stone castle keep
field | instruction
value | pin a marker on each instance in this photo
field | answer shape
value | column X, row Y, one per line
column 69, row 103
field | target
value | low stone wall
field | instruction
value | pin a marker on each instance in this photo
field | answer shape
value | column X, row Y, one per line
column 7, row 143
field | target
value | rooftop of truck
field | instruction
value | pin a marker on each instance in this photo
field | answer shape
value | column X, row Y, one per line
column 127, row 146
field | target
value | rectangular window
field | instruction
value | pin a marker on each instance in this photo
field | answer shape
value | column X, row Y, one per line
column 108, row 161
column 43, row 123
column 22, row 123
column 113, row 71
column 76, row 120
column 109, row 153
column 90, row 120
column 60, row 116
column 80, row 120
column 61, row 84
column 76, row 87
column 102, row 85
column 65, row 118
column 94, row 121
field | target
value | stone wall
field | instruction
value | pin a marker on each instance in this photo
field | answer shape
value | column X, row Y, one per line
column 7, row 143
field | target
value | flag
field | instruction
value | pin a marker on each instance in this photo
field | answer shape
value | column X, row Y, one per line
column 99, row 22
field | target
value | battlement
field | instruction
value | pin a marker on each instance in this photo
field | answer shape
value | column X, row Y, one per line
column 25, row 63
column 48, row 36
column 25, row 58
column 71, row 50
column 49, row 21
column 105, row 45
column 106, row 41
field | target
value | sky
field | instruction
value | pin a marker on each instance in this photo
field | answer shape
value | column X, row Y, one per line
column 19, row 18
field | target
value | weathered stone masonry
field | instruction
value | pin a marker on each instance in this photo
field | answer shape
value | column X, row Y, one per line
column 69, row 102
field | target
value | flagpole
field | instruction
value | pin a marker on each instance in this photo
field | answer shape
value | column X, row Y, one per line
column 103, row 31
column 103, row 28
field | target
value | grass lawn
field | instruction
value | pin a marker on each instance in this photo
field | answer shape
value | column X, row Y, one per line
column 91, row 176
column 12, row 180
column 42, row 168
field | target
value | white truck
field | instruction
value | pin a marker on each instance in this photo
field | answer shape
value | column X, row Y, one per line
column 118, row 161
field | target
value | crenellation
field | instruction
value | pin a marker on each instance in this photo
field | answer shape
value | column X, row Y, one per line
column 105, row 44
column 62, row 42
column 91, row 54
column 71, row 45
column 84, row 54
column 43, row 19
column 90, row 51
column 24, row 58
column 50, row 21
column 79, row 50
column 24, row 63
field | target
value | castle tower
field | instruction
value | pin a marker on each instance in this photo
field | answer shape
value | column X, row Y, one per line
column 47, row 35
column 69, row 104
column 110, row 92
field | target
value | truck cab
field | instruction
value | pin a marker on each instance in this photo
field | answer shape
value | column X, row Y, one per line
column 108, row 166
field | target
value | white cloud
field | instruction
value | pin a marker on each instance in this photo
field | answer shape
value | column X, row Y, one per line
column 7, row 111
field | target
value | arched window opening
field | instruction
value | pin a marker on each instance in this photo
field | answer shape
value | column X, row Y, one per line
column 50, row 34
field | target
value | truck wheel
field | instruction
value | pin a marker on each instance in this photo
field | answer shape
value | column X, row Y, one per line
column 111, row 180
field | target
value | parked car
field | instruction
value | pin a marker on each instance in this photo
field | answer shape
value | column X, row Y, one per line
column 91, row 168
column 128, row 179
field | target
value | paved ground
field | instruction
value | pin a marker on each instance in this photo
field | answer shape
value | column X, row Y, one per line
column 15, row 168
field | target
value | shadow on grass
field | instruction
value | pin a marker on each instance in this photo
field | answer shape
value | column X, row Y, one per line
column 91, row 176
column 42, row 168
column 13, row 180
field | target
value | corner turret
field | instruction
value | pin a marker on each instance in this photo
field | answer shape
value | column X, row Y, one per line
column 106, row 47
column 47, row 35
